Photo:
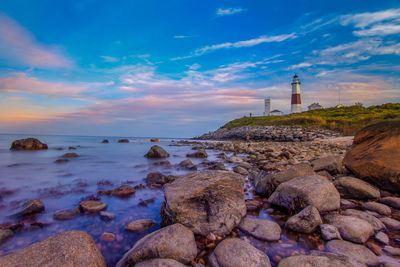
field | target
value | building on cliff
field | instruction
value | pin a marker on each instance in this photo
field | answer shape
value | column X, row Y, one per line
column 296, row 100
column 314, row 106
column 276, row 112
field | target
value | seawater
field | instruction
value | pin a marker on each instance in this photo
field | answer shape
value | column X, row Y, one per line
column 25, row 175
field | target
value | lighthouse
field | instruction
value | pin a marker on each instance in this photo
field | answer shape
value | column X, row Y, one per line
column 296, row 100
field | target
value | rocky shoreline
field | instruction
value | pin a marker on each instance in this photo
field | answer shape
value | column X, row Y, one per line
column 289, row 203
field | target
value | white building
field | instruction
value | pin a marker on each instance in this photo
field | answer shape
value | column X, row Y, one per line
column 276, row 112
column 267, row 106
column 314, row 106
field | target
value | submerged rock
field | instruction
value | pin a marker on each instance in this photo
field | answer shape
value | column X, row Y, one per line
column 155, row 140
column 105, row 141
column 107, row 216
column 73, row 248
column 234, row 252
column 5, row 234
column 92, row 206
column 28, row 144
column 122, row 191
column 201, row 153
column 140, row 225
column 206, row 202
column 262, row 229
column 172, row 242
column 156, row 178
column 157, row 152
column 123, row 141
column 350, row 187
column 70, row 155
column 32, row 206
column 306, row 221
column 66, row 214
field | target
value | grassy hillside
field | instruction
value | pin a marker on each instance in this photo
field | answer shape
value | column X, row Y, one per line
column 346, row 120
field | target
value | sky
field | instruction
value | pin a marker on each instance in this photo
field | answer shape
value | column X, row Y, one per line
column 181, row 68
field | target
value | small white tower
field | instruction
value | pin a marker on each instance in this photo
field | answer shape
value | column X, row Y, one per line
column 296, row 100
column 267, row 106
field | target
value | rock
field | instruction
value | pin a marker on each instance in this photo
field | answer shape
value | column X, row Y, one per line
column 300, row 192
column 393, row 202
column 350, row 187
column 201, row 153
column 32, row 206
column 28, row 144
column 253, row 205
column 344, row 261
column 331, row 164
column 73, row 248
column 262, row 229
column 375, row 222
column 206, row 201
column 123, row 191
column 157, row 152
column 391, row 223
column 348, row 204
column 185, row 163
column 306, row 221
column 392, row 251
column 377, row 207
column 375, row 155
column 217, row 166
column 66, row 214
column 140, row 225
column 308, row 260
column 70, row 155
column 357, row 252
column 107, row 237
column 234, row 252
column 265, row 184
column 351, row 228
column 107, row 216
column 382, row 237
column 155, row 140
column 329, row 232
column 123, row 141
column 160, row 263
column 5, row 234
column 61, row 160
column 105, row 141
column 244, row 165
column 240, row 170
column 172, row 242
column 155, row 178
column 235, row 159
column 92, row 206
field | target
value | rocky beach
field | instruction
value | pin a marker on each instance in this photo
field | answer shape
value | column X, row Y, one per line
column 291, row 196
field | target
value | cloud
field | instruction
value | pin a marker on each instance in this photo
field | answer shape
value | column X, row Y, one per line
column 19, row 46
column 299, row 66
column 110, row 59
column 379, row 30
column 229, row 11
column 181, row 36
column 362, row 20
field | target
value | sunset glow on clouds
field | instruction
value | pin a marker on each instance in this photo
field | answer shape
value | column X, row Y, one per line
column 155, row 69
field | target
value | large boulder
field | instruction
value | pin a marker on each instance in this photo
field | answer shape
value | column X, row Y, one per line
column 157, row 152
column 28, row 144
column 300, row 192
column 234, row 252
column 32, row 206
column 156, row 178
column 306, row 221
column 172, row 242
column 265, row 184
column 351, row 228
column 357, row 252
column 262, row 229
column 206, row 202
column 73, row 248
column 375, row 155
column 350, row 187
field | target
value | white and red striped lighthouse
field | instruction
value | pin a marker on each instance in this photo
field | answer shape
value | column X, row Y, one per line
column 296, row 100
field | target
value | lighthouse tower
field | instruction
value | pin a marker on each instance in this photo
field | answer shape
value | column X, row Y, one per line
column 296, row 101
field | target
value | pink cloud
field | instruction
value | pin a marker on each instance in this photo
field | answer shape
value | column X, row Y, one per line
column 18, row 45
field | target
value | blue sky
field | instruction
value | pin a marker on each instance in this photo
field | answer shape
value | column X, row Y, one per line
column 182, row 68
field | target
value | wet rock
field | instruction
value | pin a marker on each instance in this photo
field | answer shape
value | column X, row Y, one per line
column 329, row 232
column 105, row 141
column 234, row 252
column 240, row 170
column 123, row 141
column 217, row 166
column 235, row 159
column 300, row 192
column 160, row 263
column 253, row 205
column 92, row 206
column 382, row 237
column 350, row 187
column 375, row 155
column 155, row 140
column 107, row 216
column 343, row 260
column 306, row 221
column 157, row 152
column 66, row 214
column 28, row 144
column 391, row 223
column 351, row 228
column 308, row 260
column 156, row 178
column 32, row 206
column 393, row 202
column 172, row 242
column 331, row 164
column 392, row 251
column 357, row 252
column 245, row 165
column 70, row 155
column 73, row 248
column 61, row 160
column 375, row 222
column 140, row 225
column 187, row 163
column 201, row 153
column 265, row 184
column 107, row 237
column 123, row 191
column 377, row 207
column 262, row 229
column 5, row 234
column 348, row 204
column 207, row 201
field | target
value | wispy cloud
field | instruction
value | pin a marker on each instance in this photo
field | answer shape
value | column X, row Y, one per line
column 379, row 30
column 110, row 59
column 19, row 46
column 362, row 20
column 181, row 36
column 229, row 11
column 300, row 65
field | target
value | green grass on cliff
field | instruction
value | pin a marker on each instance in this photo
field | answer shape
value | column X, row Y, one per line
column 346, row 120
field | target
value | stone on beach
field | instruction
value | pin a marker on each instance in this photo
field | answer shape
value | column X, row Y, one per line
column 73, row 248
column 5, row 234
column 393, row 202
column 28, row 144
column 201, row 153
column 140, row 225
column 123, row 191
column 156, row 178
column 32, row 206
column 357, row 252
column 206, row 202
column 329, row 232
column 262, row 229
column 382, row 237
column 344, row 261
column 331, row 164
column 240, row 170
column 350, row 187
column 377, row 207
column 123, row 141
column 160, row 263
column 234, row 252
column 375, row 222
column 157, row 152
column 300, row 192
column 391, row 223
column 92, row 206
column 309, row 260
column 66, row 214
column 172, row 242
column 306, row 221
